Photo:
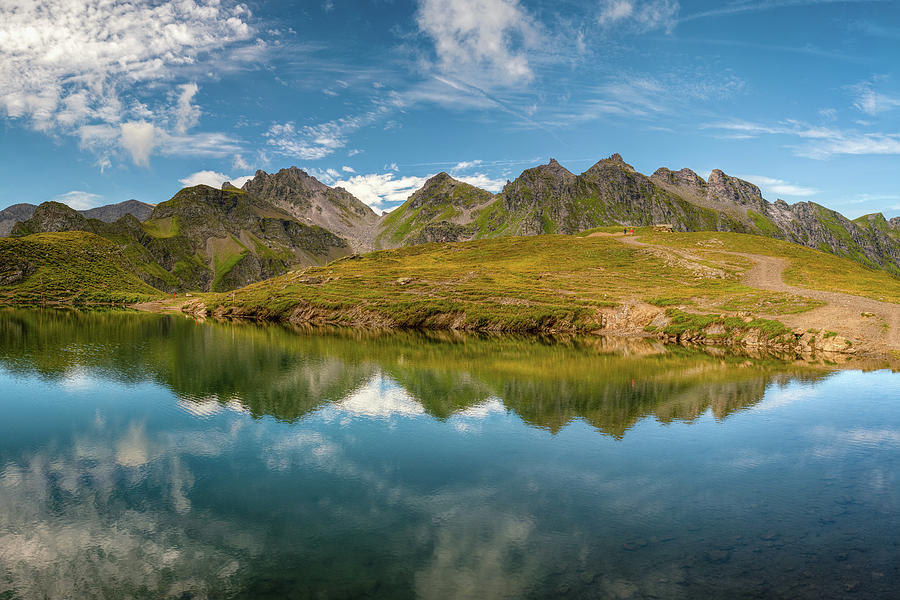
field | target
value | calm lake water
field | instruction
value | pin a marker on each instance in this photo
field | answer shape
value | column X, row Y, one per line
column 148, row 456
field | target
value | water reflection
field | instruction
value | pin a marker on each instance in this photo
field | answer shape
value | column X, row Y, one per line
column 152, row 457
column 272, row 371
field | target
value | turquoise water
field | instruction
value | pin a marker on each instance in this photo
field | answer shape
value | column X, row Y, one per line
column 154, row 457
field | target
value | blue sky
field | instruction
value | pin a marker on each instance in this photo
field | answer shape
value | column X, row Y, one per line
column 104, row 101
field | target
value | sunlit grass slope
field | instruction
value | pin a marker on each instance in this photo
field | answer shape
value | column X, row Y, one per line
column 534, row 283
column 808, row 268
column 73, row 267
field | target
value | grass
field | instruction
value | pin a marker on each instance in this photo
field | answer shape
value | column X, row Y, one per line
column 76, row 267
column 763, row 224
column 682, row 322
column 227, row 252
column 808, row 268
column 541, row 283
column 167, row 227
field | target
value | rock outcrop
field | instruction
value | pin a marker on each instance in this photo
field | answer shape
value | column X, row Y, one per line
column 14, row 214
column 312, row 202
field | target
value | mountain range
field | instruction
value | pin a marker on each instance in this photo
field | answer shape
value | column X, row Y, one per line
column 111, row 212
column 220, row 239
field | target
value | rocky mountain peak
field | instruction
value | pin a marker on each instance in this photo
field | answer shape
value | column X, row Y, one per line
column 113, row 212
column 442, row 189
column 438, row 179
column 312, row 202
column 13, row 214
column 685, row 178
column 229, row 186
column 292, row 178
column 51, row 217
column 554, row 168
column 725, row 188
column 617, row 159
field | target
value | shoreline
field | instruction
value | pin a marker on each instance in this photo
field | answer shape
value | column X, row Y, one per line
column 632, row 321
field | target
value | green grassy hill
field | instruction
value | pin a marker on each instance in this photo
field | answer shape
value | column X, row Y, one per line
column 550, row 282
column 73, row 267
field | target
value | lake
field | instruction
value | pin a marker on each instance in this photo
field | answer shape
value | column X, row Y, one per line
column 151, row 456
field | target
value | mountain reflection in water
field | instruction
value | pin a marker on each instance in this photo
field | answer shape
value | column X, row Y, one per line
column 147, row 456
column 277, row 372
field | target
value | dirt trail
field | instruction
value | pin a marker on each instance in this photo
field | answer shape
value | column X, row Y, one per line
column 840, row 309
column 842, row 313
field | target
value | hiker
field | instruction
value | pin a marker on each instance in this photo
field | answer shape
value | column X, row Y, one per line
column 625, row 231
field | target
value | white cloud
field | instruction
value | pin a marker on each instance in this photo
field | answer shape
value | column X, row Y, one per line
column 477, row 179
column 480, row 41
column 484, row 182
column 613, row 11
column 78, row 66
column 382, row 190
column 80, row 200
column 240, row 181
column 240, row 163
column 829, row 114
column 647, row 97
column 139, row 139
column 817, row 142
column 871, row 102
column 213, row 179
column 187, row 115
column 381, row 398
column 779, row 186
column 210, row 178
column 209, row 145
column 347, row 169
column 386, row 190
column 466, row 165
column 314, row 142
column 640, row 15
column 736, row 8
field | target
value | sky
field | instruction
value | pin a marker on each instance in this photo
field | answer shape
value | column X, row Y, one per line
column 103, row 101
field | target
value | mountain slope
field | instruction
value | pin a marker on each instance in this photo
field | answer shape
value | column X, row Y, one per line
column 11, row 215
column 443, row 210
column 236, row 237
column 312, row 202
column 546, row 199
column 69, row 267
column 202, row 239
column 681, row 284
column 113, row 212
column 870, row 240
column 108, row 213
column 550, row 199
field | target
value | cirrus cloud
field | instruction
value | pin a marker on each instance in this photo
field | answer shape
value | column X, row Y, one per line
column 779, row 187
